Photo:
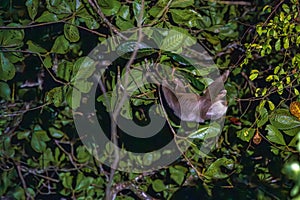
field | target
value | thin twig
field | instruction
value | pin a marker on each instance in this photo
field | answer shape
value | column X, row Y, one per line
column 28, row 196
column 161, row 13
column 118, row 107
column 97, row 8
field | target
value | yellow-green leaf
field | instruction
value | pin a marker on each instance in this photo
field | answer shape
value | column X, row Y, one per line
column 271, row 105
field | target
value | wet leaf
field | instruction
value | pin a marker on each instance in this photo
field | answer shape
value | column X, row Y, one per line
column 283, row 120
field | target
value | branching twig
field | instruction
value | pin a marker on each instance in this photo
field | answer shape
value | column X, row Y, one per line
column 28, row 196
column 131, row 185
column 118, row 107
column 97, row 8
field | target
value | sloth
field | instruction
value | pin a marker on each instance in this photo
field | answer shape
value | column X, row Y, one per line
column 193, row 107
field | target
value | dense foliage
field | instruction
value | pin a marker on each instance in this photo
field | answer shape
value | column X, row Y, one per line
column 44, row 48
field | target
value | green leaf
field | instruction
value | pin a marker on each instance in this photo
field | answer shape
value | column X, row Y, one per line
column 32, row 8
column 89, row 20
column 179, row 59
column 253, row 76
column 228, row 31
column 283, row 120
column 298, row 40
column 84, row 67
column 61, row 45
column 278, row 45
column 35, row 47
column 47, row 17
column 6, row 144
column 286, row 43
column 123, row 19
column 214, row 170
column 187, row 17
column 7, row 69
column 82, row 154
column 110, row 7
column 67, row 180
column 65, row 70
column 109, row 97
column 182, row 3
column 271, row 105
column 178, row 173
column 294, row 141
column 56, row 133
column 124, row 12
column 59, row 7
column 286, row 8
column 56, row 96
column 71, row 32
column 274, row 135
column 158, row 185
column 156, row 12
column 83, row 86
column 23, row 135
column 206, row 131
column 126, row 49
column 73, row 98
column 292, row 132
column 123, row 24
column 38, row 139
column 82, row 182
column 19, row 193
column 173, row 41
column 12, row 38
column 259, row 30
column 213, row 39
column 246, row 134
column 48, row 61
column 46, row 158
column 5, row 91
column 263, row 117
column 137, row 10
